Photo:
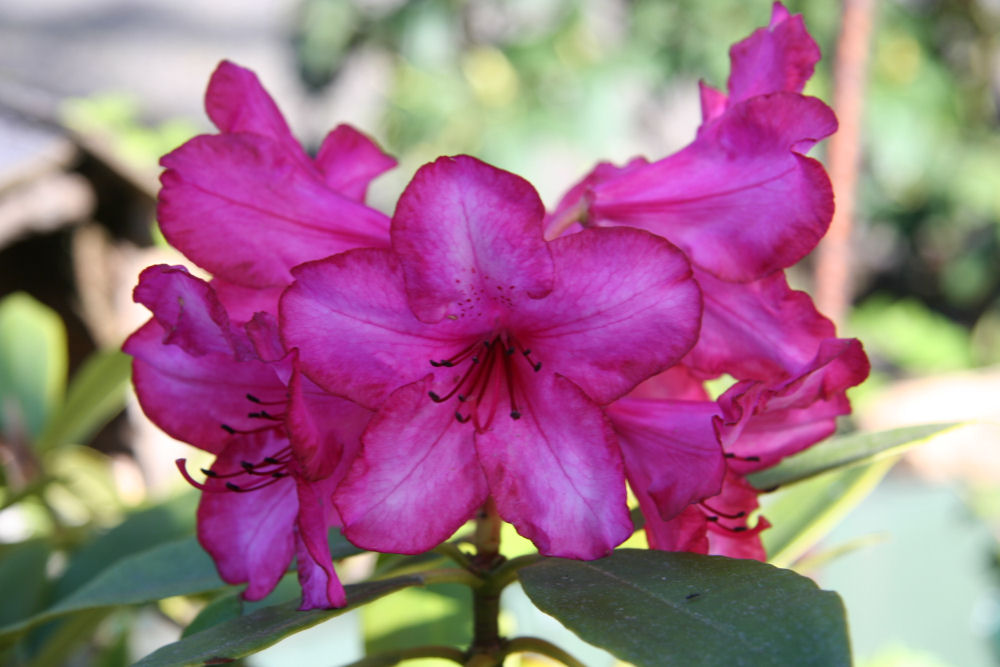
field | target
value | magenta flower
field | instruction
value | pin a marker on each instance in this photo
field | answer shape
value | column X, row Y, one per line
column 742, row 200
column 282, row 443
column 488, row 353
column 756, row 423
column 248, row 204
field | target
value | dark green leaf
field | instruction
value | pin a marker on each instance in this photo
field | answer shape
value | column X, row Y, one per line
column 227, row 606
column 242, row 636
column 842, row 452
column 32, row 364
column 140, row 531
column 657, row 608
column 22, row 579
column 803, row 514
column 96, row 394
column 176, row 568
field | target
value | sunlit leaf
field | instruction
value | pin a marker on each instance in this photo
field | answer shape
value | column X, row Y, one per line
column 32, row 364
column 95, row 395
column 803, row 514
column 842, row 452
column 657, row 608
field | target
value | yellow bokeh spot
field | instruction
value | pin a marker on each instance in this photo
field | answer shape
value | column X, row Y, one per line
column 491, row 76
column 899, row 58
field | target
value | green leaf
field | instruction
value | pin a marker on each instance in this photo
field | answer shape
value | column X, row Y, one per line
column 658, row 608
column 32, row 365
column 22, row 579
column 176, row 568
column 227, row 606
column 843, row 452
column 242, row 636
column 96, row 394
column 140, row 531
column 803, row 514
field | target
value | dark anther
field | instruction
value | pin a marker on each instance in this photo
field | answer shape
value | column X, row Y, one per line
column 462, row 398
column 475, row 360
column 739, row 529
column 271, row 460
column 228, row 429
column 711, row 518
column 691, row 596
column 752, row 459
column 246, row 465
column 232, row 487
column 514, row 414
column 537, row 366
column 279, row 475
column 510, row 351
column 434, row 397
column 209, row 473
column 252, row 398
column 460, row 418
column 749, row 459
column 435, row 364
column 526, row 352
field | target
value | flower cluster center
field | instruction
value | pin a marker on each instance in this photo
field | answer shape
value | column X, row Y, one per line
column 489, row 369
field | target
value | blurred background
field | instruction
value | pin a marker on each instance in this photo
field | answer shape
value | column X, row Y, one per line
column 92, row 92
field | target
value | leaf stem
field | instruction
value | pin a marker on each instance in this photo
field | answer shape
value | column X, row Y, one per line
column 507, row 572
column 539, row 645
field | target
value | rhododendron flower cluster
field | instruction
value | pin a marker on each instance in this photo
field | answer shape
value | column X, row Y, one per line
column 388, row 377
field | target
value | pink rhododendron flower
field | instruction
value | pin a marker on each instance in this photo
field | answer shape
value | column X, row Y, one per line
column 248, row 203
column 282, row 443
column 742, row 201
column 756, row 423
column 488, row 352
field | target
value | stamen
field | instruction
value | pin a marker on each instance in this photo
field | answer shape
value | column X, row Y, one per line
column 748, row 459
column 738, row 515
column 458, row 358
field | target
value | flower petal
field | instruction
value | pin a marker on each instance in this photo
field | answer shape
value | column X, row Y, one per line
column 780, row 57
column 759, row 330
column 356, row 336
column 325, row 429
column 242, row 302
column 349, row 161
column 556, row 473
column 766, row 422
column 192, row 372
column 321, row 589
column 188, row 310
column 237, row 102
column 739, row 200
column 249, row 535
column 688, row 531
column 239, row 206
column 733, row 537
column 469, row 234
column 417, row 480
column 671, row 450
column 623, row 308
column 196, row 398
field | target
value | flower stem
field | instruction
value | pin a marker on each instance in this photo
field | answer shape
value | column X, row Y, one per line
column 396, row 657
column 538, row 645
column 487, row 648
